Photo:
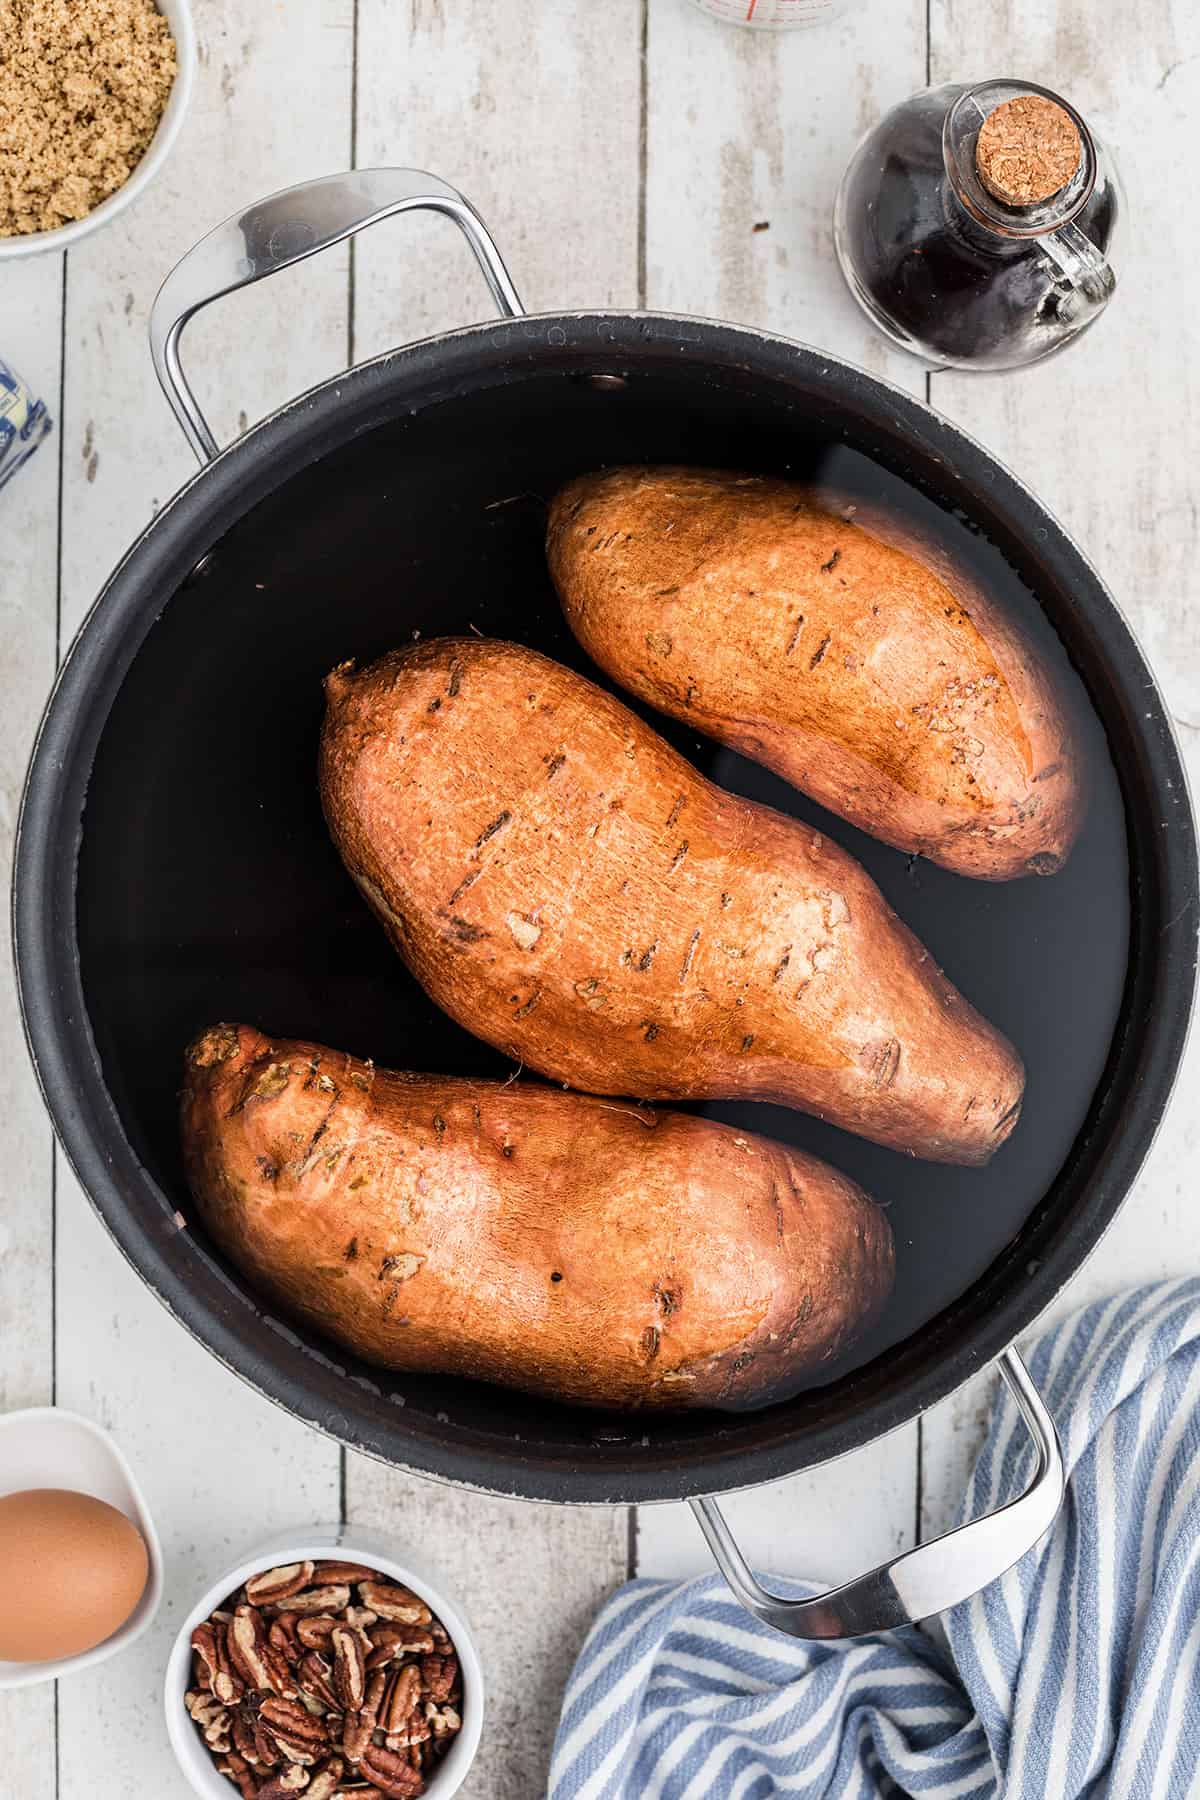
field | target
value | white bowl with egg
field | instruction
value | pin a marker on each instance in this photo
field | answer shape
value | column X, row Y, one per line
column 47, row 1447
column 178, row 14
column 342, row 1543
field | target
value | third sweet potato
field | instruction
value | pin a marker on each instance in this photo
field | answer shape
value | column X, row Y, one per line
column 582, row 1249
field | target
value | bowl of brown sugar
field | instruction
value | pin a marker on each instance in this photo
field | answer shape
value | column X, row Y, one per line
column 92, row 96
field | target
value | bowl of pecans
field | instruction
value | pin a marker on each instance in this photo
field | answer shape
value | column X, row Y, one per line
column 331, row 1665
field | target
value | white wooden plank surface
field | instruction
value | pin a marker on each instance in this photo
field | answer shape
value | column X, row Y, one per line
column 511, row 112
column 535, row 116
column 1109, row 436
column 28, row 623
column 746, row 129
column 28, row 626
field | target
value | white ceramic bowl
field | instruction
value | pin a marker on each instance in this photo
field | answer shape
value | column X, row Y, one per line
column 45, row 1447
column 178, row 14
column 345, row 1543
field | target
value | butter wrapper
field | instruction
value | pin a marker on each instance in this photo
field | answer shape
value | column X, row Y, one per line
column 24, row 422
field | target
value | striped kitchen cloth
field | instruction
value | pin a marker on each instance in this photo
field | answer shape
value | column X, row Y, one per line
column 1074, row 1675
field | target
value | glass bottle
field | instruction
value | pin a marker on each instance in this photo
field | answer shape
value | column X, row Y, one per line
column 966, row 267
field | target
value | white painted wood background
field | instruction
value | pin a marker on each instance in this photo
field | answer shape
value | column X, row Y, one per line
column 622, row 151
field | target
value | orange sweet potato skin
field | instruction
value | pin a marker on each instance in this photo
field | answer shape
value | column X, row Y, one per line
column 845, row 654
column 568, row 887
column 576, row 1248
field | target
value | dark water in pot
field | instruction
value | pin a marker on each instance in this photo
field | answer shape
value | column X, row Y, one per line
column 208, row 888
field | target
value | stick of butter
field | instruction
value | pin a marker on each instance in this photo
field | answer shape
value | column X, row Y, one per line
column 24, row 422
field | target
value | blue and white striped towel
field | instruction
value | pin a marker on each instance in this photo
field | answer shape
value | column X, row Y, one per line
column 1075, row 1675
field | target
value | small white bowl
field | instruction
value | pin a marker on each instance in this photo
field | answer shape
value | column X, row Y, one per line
column 343, row 1543
column 45, row 1447
column 178, row 14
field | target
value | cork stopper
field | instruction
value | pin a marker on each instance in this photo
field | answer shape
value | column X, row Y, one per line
column 1027, row 149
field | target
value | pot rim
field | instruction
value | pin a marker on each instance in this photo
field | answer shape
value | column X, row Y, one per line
column 1148, row 1042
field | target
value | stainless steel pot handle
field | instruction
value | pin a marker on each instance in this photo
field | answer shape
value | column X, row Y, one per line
column 933, row 1577
column 283, row 229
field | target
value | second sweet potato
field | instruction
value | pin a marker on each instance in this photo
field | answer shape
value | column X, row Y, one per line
column 567, row 886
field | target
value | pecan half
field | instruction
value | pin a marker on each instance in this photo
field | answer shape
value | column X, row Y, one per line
column 314, row 1677
column 249, row 1649
column 216, row 1732
column 348, row 1572
column 244, row 1742
column 289, row 1781
column 212, row 1653
column 300, row 1736
column 391, row 1772
column 282, row 1673
column 235, row 1768
column 362, row 1616
column 325, row 1779
column 283, row 1634
column 443, row 1722
column 357, row 1727
column 204, row 1655
column 412, row 1733
column 273, row 1586
column 439, row 1674
column 391, row 1642
column 202, row 1707
column 314, row 1633
column 399, row 1715
column 395, row 1603
column 319, row 1600
column 265, row 1748
column 350, row 1651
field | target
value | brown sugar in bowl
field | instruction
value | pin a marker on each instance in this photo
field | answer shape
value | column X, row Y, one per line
column 54, row 190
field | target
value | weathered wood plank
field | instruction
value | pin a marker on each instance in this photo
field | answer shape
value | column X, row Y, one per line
column 747, row 136
column 535, row 117
column 30, row 339
column 124, row 455
column 221, row 1467
column 28, row 625
column 1109, row 435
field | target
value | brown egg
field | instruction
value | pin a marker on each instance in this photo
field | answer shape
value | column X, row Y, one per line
column 72, row 1569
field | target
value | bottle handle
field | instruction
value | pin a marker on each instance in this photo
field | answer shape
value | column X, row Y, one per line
column 1087, row 269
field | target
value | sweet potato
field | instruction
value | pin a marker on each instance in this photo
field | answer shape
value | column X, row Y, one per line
column 845, row 654
column 583, row 1249
column 568, row 887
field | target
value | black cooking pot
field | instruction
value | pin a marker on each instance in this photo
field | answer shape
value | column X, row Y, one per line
column 172, row 867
